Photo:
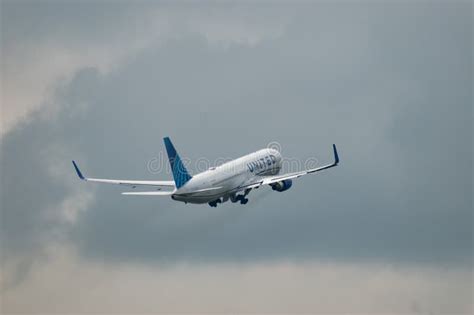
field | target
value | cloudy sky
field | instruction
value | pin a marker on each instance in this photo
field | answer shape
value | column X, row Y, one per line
column 388, row 231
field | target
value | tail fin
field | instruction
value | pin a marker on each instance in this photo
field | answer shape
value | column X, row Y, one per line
column 180, row 174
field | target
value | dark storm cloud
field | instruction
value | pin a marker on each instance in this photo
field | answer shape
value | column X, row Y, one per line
column 391, row 85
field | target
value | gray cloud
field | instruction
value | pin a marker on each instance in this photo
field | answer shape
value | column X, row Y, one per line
column 391, row 85
column 273, row 287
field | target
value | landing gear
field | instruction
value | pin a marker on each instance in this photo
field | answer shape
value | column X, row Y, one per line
column 214, row 203
column 241, row 198
column 233, row 198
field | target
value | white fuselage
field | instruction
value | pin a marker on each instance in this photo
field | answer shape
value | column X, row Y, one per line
column 225, row 180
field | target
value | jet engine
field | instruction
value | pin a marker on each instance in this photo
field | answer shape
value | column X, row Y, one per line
column 283, row 185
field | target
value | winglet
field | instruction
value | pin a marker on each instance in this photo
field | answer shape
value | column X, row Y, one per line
column 336, row 156
column 78, row 171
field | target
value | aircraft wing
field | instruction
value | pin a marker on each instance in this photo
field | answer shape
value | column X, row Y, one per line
column 133, row 183
column 149, row 193
column 268, row 180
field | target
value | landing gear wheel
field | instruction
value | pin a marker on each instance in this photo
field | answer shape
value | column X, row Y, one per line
column 243, row 201
column 214, row 203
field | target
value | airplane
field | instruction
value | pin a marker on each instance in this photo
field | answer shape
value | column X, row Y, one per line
column 230, row 181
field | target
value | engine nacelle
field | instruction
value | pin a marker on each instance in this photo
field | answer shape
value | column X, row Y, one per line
column 283, row 185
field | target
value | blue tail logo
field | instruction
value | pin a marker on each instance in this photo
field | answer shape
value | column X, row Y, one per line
column 180, row 174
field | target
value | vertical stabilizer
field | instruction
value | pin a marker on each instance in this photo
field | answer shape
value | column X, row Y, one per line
column 180, row 174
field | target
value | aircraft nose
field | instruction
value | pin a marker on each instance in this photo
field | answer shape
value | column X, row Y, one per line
column 274, row 152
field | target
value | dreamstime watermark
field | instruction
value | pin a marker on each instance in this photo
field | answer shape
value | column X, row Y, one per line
column 160, row 163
